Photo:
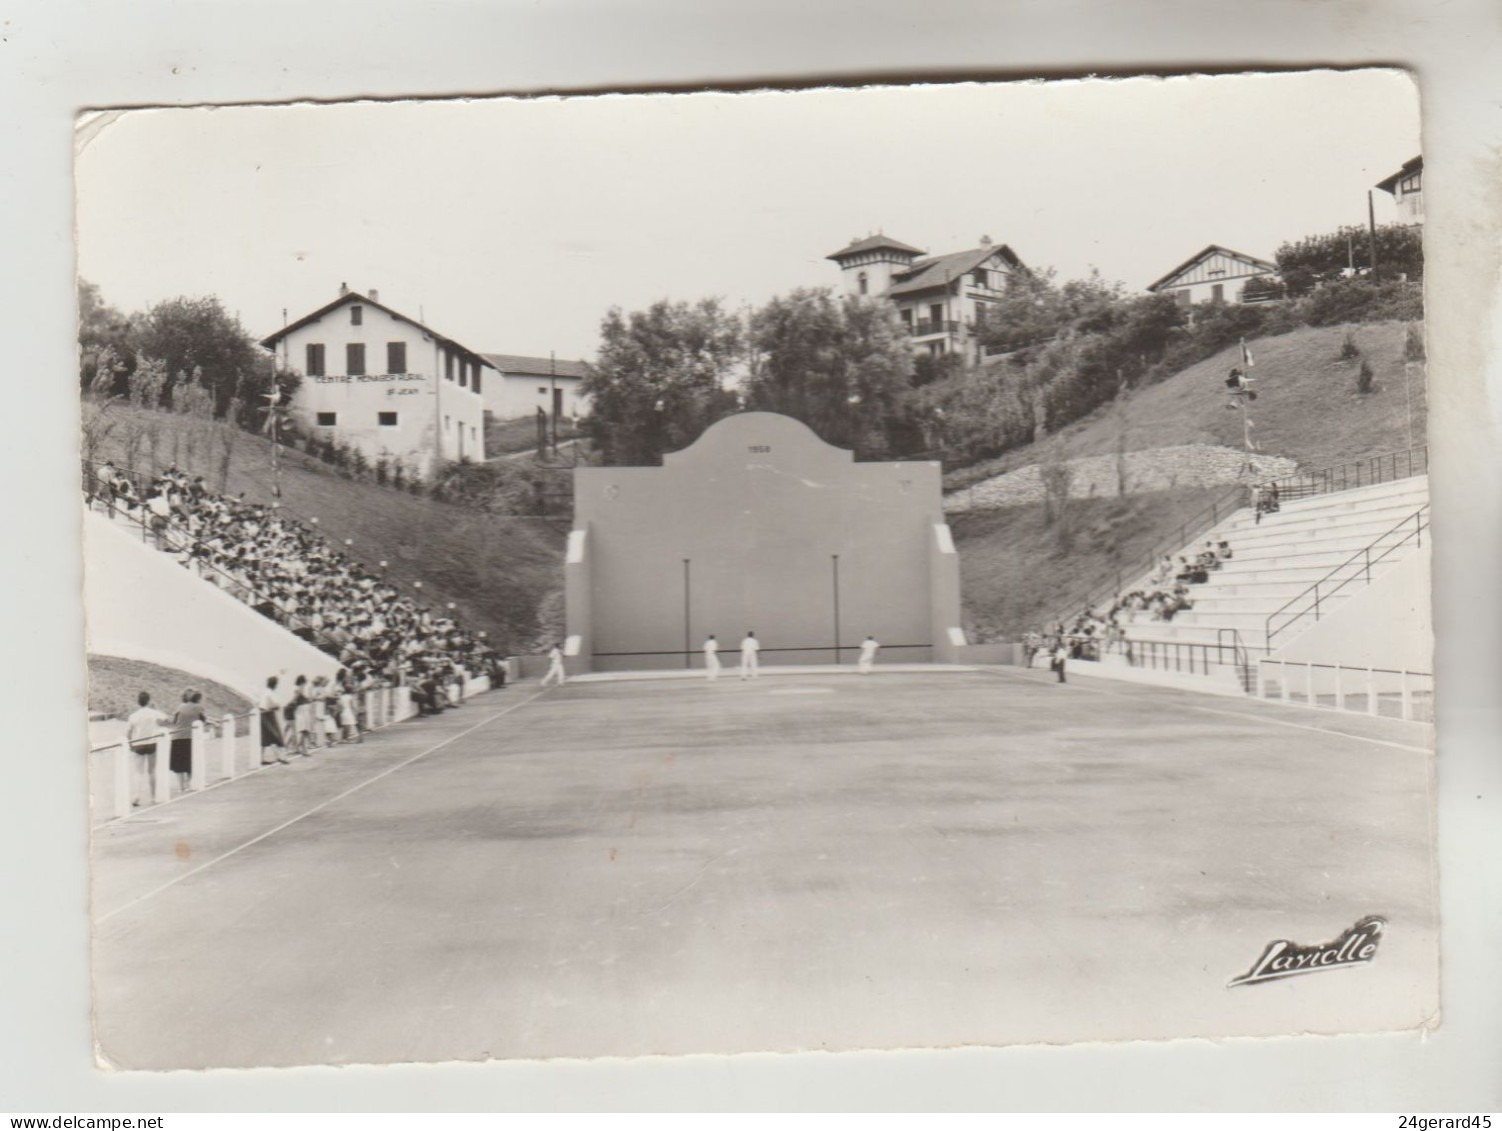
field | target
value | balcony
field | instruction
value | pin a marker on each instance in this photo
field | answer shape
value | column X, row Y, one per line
column 924, row 327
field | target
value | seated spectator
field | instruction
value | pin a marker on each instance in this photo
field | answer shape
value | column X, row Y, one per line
column 1266, row 501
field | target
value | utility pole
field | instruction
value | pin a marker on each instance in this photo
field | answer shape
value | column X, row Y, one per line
column 1371, row 231
column 553, row 397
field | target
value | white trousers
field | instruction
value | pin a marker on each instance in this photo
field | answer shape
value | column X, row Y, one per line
column 711, row 665
column 748, row 665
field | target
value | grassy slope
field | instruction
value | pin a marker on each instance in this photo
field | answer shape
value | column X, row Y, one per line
column 1307, row 405
column 504, row 437
column 497, row 571
column 114, row 684
column 1014, row 573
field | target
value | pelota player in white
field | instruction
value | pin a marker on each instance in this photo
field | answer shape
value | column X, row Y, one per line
column 712, row 658
column 749, row 647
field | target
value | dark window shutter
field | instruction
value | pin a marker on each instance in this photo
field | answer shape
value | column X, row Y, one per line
column 396, row 357
column 354, row 359
column 315, row 360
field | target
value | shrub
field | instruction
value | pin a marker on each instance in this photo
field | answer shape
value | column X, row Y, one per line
column 1361, row 300
column 1348, row 347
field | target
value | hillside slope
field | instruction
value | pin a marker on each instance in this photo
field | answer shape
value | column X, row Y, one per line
column 497, row 571
column 1307, row 405
column 1017, row 571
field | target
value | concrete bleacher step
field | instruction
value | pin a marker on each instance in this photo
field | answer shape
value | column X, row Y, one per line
column 1278, row 560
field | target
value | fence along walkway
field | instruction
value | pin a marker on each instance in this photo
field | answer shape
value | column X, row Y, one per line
column 231, row 749
column 1381, row 692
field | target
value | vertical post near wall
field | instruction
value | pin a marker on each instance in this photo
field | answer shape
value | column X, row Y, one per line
column 688, row 646
column 835, row 561
column 161, row 778
column 198, row 771
column 227, row 745
column 123, row 785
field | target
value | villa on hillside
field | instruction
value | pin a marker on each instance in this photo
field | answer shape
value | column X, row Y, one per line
column 940, row 298
column 384, row 383
column 1216, row 274
column 522, row 385
column 1407, row 189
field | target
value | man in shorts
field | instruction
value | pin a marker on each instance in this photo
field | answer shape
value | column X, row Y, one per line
column 143, row 729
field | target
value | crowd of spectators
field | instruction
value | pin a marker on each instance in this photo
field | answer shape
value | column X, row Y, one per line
column 310, row 715
column 1165, row 594
column 296, row 577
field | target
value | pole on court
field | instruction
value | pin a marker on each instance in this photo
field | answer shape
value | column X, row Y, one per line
column 835, row 559
column 688, row 646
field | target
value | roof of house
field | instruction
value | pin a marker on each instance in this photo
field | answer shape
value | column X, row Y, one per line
column 940, row 270
column 366, row 300
column 1413, row 165
column 873, row 243
column 1262, row 266
column 518, row 364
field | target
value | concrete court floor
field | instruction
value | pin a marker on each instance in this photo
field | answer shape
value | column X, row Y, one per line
column 799, row 862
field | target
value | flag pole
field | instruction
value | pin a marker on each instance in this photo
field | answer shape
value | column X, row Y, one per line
column 1245, row 402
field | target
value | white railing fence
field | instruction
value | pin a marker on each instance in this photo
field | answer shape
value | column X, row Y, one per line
column 231, row 748
column 1387, row 693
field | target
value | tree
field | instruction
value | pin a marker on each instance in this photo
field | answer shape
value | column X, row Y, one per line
column 198, row 333
column 1306, row 263
column 1035, row 308
column 102, row 327
column 661, row 378
column 843, row 366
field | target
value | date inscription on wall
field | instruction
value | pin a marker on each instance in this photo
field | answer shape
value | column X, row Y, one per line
column 759, row 449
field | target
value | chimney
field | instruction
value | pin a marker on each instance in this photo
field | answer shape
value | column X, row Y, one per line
column 375, row 295
column 343, row 289
column 985, row 241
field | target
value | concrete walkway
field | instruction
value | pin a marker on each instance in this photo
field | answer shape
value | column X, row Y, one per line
column 623, row 868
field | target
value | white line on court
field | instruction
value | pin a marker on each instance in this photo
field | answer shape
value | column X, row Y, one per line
column 321, row 805
column 1231, row 714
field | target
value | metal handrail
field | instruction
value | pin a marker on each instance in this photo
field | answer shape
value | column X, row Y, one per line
column 1220, row 507
column 322, row 640
column 210, row 725
column 1148, row 652
column 1417, row 520
column 1365, row 472
column 1414, row 461
column 193, row 542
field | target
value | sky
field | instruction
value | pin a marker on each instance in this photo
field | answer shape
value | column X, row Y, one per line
column 513, row 225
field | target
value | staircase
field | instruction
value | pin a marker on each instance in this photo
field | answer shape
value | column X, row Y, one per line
column 1291, row 569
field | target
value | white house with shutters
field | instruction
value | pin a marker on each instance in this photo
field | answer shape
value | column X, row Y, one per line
column 1216, row 274
column 384, row 382
column 941, row 299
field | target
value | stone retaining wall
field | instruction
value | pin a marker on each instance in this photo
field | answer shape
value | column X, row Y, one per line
column 1157, row 469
